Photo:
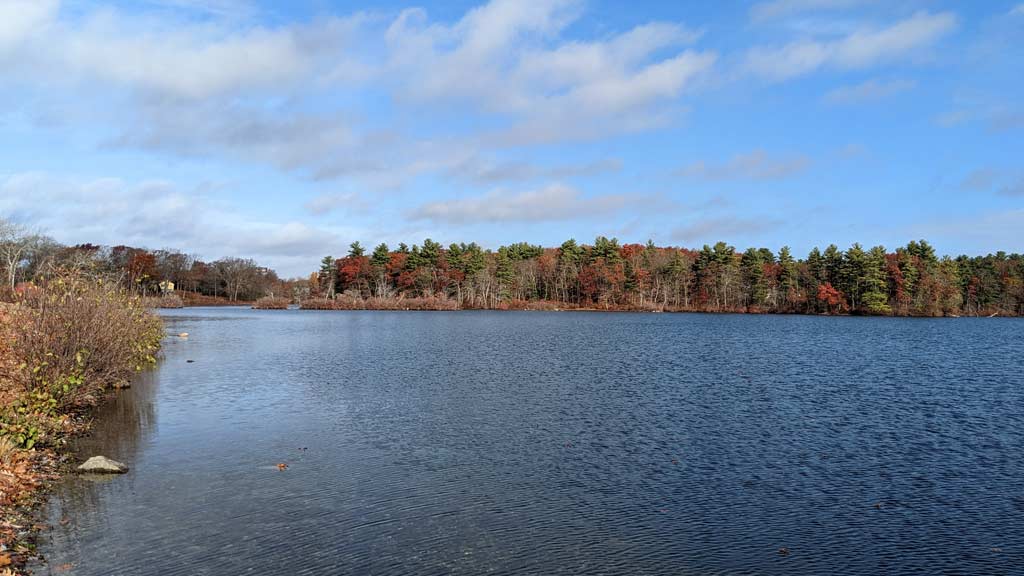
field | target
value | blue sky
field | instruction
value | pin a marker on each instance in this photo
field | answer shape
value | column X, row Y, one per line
column 285, row 130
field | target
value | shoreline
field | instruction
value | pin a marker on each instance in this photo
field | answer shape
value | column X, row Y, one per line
column 65, row 352
column 249, row 306
column 394, row 307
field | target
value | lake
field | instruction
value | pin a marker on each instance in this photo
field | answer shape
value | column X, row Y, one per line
column 558, row 443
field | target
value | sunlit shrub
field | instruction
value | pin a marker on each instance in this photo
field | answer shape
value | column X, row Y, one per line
column 269, row 303
column 165, row 301
column 75, row 336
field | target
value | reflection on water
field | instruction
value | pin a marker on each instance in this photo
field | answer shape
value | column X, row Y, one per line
column 548, row 443
column 121, row 427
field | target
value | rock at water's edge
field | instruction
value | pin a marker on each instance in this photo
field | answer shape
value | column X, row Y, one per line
column 102, row 465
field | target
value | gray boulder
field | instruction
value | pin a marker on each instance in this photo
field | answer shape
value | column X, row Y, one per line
column 102, row 465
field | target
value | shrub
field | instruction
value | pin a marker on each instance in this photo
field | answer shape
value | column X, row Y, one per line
column 349, row 303
column 76, row 336
column 165, row 301
column 269, row 303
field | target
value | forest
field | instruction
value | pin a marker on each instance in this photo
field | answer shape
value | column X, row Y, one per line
column 27, row 256
column 909, row 281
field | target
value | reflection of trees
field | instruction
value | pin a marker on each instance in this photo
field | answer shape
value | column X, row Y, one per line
column 121, row 423
column 120, row 428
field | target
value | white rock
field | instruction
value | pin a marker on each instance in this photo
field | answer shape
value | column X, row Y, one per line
column 102, row 465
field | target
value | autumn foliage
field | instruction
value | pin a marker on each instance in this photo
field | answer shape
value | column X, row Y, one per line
column 910, row 281
column 62, row 344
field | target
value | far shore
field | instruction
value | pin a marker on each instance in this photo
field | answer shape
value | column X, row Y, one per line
column 436, row 305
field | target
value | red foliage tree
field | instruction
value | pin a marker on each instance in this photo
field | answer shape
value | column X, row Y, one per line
column 831, row 297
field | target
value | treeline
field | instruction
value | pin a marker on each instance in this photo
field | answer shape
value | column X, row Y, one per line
column 27, row 257
column 909, row 281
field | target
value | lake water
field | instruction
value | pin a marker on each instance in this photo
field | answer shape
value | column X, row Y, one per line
column 558, row 443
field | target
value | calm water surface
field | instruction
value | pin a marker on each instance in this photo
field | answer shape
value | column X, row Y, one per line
column 558, row 443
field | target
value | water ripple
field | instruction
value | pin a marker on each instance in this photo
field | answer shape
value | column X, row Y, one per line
column 546, row 443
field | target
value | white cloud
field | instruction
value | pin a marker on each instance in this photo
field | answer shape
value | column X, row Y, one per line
column 198, row 61
column 288, row 95
column 982, row 233
column 755, row 165
column 221, row 8
column 1017, row 10
column 1002, row 182
column 478, row 171
column 508, row 58
column 858, row 50
column 327, row 203
column 997, row 114
column 184, row 64
column 868, row 90
column 319, row 146
column 714, row 229
column 779, row 8
column 170, row 55
column 159, row 214
column 20, row 20
column 552, row 203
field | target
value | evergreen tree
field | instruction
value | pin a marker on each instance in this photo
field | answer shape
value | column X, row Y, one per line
column 752, row 266
column 381, row 256
column 431, row 252
column 605, row 248
column 874, row 297
column 328, row 275
column 570, row 252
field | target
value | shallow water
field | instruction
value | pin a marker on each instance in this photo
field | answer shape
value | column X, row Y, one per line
column 558, row 443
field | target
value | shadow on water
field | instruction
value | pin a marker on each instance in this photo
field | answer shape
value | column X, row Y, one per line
column 121, row 427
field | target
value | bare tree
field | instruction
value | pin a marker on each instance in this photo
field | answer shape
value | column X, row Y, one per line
column 17, row 244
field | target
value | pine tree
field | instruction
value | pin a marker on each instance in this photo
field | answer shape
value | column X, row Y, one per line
column 875, row 298
column 381, row 256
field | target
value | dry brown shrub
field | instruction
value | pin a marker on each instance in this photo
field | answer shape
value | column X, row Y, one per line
column 76, row 336
column 8, row 451
column 165, row 301
column 269, row 303
column 348, row 303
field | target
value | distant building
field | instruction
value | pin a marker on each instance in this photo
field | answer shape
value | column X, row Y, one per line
column 166, row 287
